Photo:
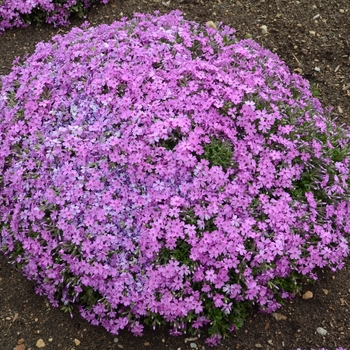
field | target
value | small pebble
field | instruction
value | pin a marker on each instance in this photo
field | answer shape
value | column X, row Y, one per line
column 308, row 295
column 312, row 32
column 77, row 342
column 341, row 11
column 193, row 345
column 116, row 340
column 279, row 317
column 317, row 69
column 40, row 343
column 211, row 24
column 321, row 331
column 263, row 29
column 258, row 345
column 50, row 340
column 190, row 339
column 20, row 341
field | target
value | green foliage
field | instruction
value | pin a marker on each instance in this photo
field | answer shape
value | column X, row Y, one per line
column 171, row 142
column 89, row 296
column 315, row 90
column 181, row 253
column 37, row 15
column 222, row 322
column 219, row 152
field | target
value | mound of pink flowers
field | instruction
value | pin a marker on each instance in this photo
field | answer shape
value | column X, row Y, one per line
column 155, row 171
column 20, row 13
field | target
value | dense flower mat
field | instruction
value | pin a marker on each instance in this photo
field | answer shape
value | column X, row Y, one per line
column 21, row 13
column 155, row 171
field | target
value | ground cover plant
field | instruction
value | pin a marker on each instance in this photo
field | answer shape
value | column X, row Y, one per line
column 157, row 171
column 14, row 13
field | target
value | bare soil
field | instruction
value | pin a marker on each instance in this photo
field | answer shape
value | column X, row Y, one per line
column 313, row 38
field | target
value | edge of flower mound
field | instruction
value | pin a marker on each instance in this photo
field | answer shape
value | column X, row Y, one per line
column 155, row 171
column 14, row 13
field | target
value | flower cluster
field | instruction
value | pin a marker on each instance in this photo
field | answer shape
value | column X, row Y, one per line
column 14, row 13
column 155, row 171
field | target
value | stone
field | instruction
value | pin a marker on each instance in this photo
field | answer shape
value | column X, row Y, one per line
column 191, row 339
column 307, row 295
column 21, row 347
column 279, row 317
column 211, row 24
column 321, row 331
column 77, row 342
column 40, row 343
column 263, row 29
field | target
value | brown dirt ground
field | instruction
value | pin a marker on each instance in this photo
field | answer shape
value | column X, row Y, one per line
column 306, row 34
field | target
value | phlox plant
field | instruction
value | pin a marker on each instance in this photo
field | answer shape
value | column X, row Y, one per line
column 159, row 172
column 14, row 13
